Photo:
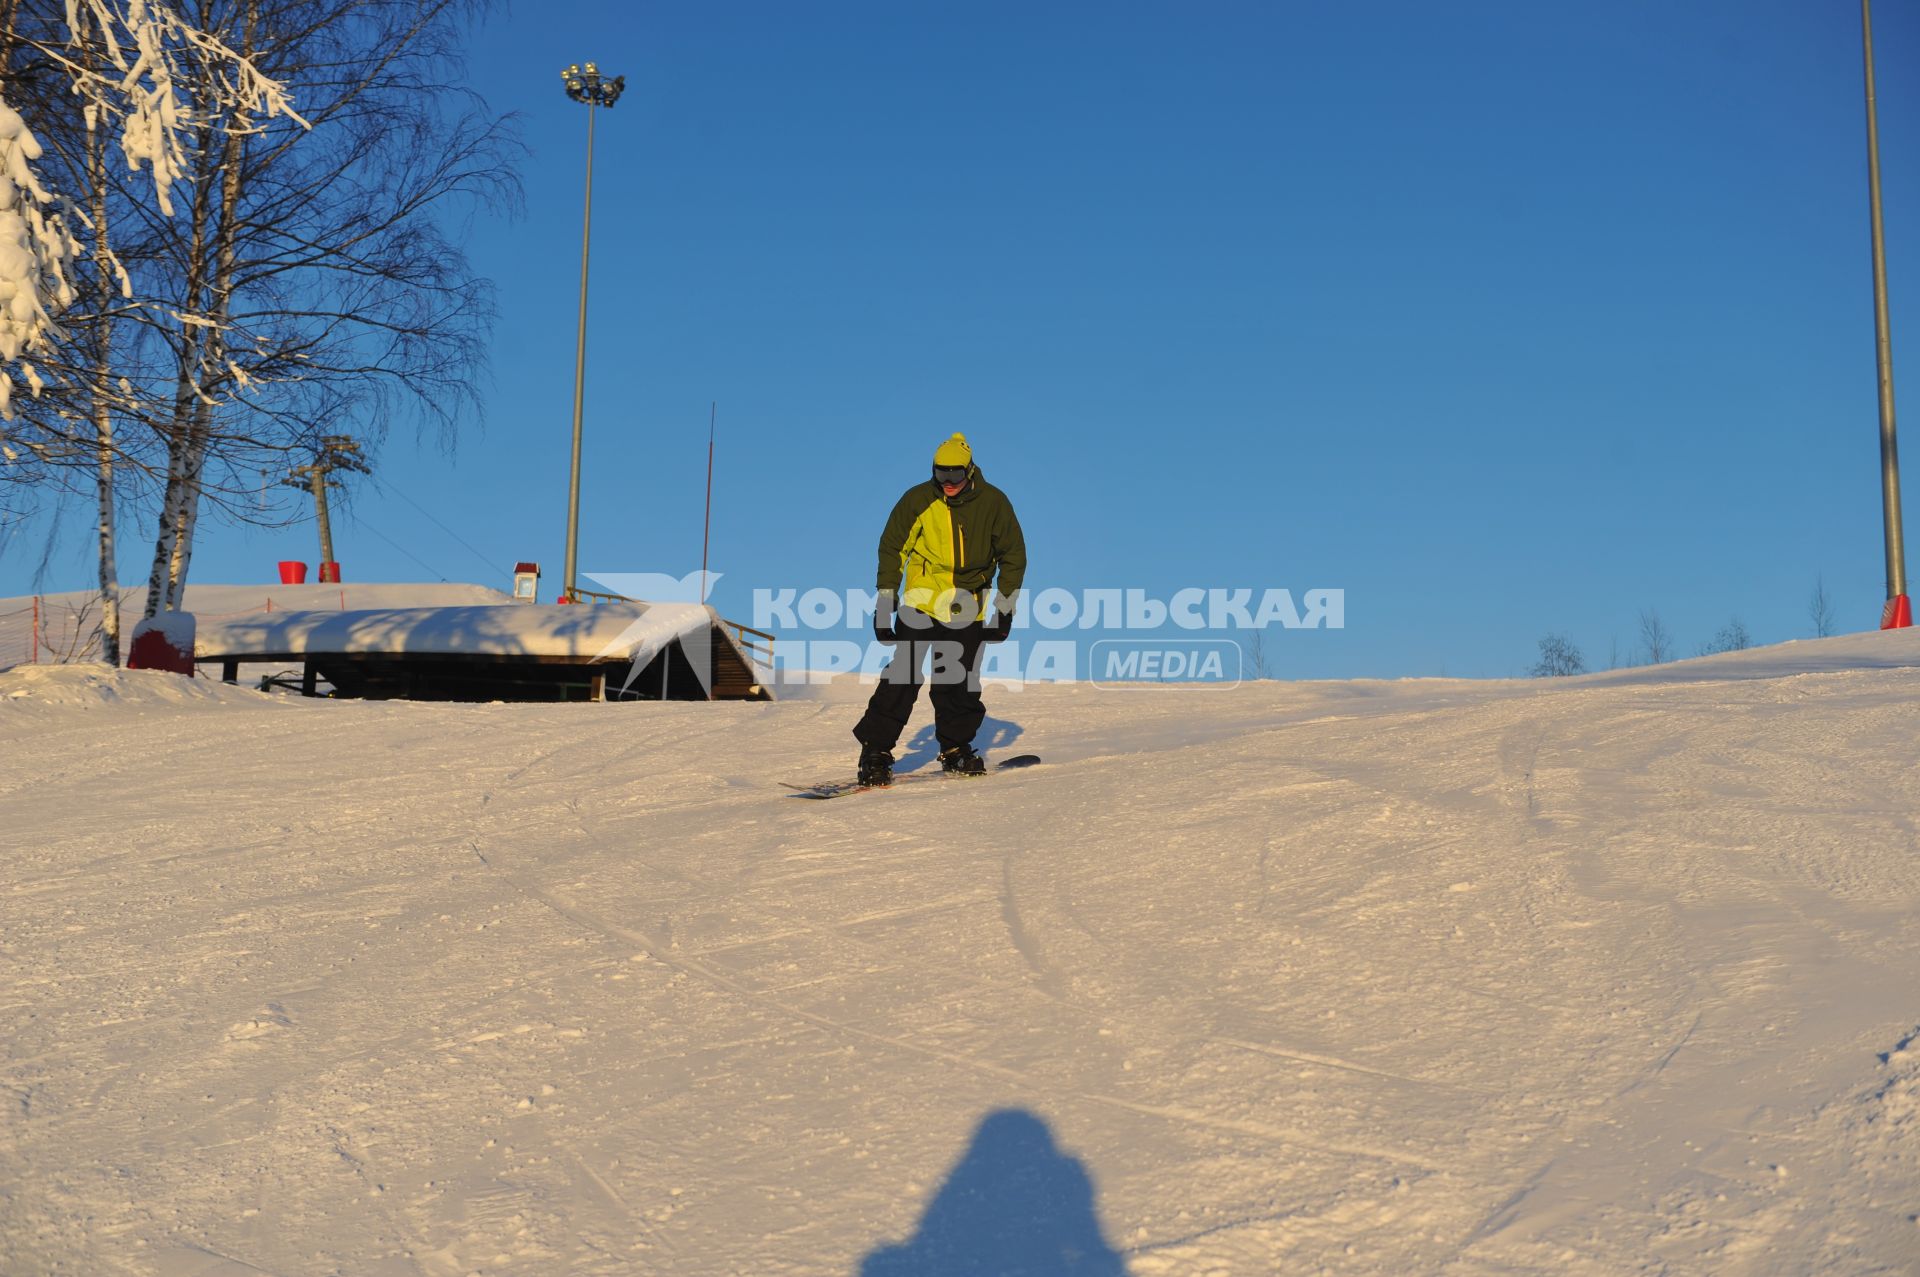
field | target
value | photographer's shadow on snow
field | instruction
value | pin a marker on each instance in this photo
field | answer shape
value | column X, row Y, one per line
column 995, row 733
column 1015, row 1205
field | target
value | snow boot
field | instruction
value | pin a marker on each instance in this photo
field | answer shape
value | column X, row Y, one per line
column 962, row 761
column 876, row 767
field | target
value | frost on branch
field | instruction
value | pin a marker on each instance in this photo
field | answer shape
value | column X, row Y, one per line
column 151, row 49
column 154, row 64
column 35, row 247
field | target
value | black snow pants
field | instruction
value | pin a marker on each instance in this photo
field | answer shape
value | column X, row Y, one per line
column 953, row 652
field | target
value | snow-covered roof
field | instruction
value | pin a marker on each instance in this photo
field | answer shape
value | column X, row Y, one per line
column 207, row 599
column 587, row 631
column 64, row 626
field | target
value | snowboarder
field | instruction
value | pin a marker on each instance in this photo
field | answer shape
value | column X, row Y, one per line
column 949, row 537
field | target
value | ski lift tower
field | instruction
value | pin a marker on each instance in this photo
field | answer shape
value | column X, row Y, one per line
column 336, row 452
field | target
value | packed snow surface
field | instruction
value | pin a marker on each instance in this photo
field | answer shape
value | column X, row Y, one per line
column 1604, row 975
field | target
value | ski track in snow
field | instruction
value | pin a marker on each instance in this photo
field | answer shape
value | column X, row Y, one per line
column 1602, row 975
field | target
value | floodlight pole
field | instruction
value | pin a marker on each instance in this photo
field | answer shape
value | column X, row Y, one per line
column 1898, row 612
column 588, row 87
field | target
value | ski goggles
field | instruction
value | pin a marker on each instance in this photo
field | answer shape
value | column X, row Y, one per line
column 952, row 475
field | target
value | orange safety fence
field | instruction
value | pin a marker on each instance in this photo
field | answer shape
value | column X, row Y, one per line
column 20, row 635
column 48, row 633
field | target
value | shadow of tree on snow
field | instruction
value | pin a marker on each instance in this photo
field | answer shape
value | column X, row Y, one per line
column 1014, row 1206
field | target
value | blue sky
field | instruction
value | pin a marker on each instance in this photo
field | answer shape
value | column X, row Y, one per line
column 1505, row 318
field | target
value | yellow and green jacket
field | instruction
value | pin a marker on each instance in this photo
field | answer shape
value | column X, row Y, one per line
column 934, row 549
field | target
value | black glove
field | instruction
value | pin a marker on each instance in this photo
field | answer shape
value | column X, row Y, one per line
column 999, row 627
column 883, row 618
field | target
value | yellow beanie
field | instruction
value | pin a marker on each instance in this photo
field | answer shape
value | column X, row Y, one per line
column 954, row 452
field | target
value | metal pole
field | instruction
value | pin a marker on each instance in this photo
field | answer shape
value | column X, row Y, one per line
column 1883, row 339
column 706, row 527
column 320, row 510
column 579, row 374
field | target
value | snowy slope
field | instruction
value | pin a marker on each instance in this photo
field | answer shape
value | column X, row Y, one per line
column 1613, row 974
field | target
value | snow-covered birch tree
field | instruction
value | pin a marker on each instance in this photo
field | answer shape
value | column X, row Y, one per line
column 252, row 276
column 323, row 291
column 99, row 75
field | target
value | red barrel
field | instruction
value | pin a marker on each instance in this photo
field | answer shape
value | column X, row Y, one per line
column 329, row 574
column 292, row 573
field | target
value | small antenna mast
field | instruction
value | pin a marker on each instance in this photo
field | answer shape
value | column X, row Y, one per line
column 706, row 531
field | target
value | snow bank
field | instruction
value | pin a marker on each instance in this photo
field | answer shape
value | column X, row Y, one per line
column 1883, row 649
column 53, row 693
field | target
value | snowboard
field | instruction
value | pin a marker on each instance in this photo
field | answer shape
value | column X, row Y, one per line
column 841, row 788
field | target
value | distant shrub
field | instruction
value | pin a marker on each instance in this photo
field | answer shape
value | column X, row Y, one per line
column 1820, row 609
column 1733, row 637
column 1655, row 643
column 1558, row 658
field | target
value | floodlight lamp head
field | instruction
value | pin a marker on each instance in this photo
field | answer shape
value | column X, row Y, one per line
column 588, row 86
